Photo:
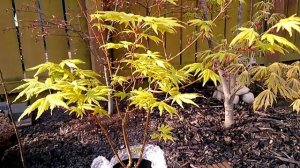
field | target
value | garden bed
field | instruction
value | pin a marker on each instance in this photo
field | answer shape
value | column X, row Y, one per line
column 258, row 140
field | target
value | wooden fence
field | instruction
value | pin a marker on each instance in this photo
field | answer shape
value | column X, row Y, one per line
column 30, row 34
column 24, row 43
column 223, row 29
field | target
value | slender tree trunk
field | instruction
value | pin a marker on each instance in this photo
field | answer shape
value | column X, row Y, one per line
column 229, row 112
column 227, row 85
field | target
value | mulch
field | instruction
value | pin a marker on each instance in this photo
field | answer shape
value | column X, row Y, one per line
column 269, row 139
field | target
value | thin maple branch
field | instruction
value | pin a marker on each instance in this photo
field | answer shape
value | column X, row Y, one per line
column 144, row 140
column 12, row 120
column 108, row 138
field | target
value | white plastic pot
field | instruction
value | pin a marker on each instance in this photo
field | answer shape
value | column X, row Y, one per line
column 151, row 153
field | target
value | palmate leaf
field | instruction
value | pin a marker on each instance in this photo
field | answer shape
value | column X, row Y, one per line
column 32, row 107
column 259, row 72
column 100, row 111
column 56, row 100
column 171, row 1
column 207, row 75
column 293, row 83
column 118, row 80
column 71, row 63
column 264, row 100
column 142, row 99
column 296, row 105
column 289, row 24
column 293, row 71
column 85, row 74
column 223, row 58
column 195, row 68
column 50, row 101
column 246, row 35
column 204, row 27
column 275, row 18
column 30, row 88
column 271, row 38
column 264, row 5
column 162, row 106
column 102, row 27
column 185, row 98
column 235, row 68
column 113, row 16
column 161, row 24
column 287, row 92
column 164, row 133
column 244, row 79
column 40, row 68
column 151, row 37
column 113, row 46
column 122, row 95
column 266, row 46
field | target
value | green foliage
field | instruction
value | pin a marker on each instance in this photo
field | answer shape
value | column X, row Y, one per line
column 81, row 88
column 289, row 24
column 205, row 27
column 279, row 80
column 80, row 91
column 164, row 133
column 234, row 60
column 246, row 36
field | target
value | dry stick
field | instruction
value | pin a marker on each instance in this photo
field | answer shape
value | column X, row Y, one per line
column 145, row 139
column 104, row 131
column 12, row 119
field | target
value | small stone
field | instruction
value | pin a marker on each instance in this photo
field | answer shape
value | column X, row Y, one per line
column 220, row 88
column 236, row 100
column 282, row 166
column 248, row 98
column 218, row 95
column 101, row 162
column 242, row 91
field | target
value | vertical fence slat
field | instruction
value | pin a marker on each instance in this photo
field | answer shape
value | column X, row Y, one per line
column 96, row 58
column 231, row 21
column 79, row 47
column 189, row 55
column 173, row 40
column 218, row 31
column 31, row 41
column 10, row 60
column 57, row 41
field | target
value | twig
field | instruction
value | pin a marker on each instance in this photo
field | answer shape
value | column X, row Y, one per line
column 145, row 139
column 125, row 137
column 108, row 138
column 12, row 119
column 288, row 160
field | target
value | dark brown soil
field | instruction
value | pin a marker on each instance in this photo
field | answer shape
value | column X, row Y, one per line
column 269, row 139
